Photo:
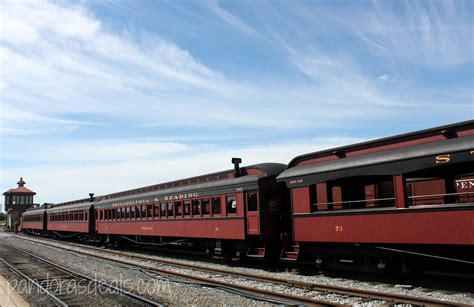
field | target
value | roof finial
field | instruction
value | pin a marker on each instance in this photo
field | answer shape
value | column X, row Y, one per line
column 21, row 182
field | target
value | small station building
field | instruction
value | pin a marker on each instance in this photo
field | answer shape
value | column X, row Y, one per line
column 17, row 200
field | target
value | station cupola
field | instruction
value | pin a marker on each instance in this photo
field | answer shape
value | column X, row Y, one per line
column 20, row 196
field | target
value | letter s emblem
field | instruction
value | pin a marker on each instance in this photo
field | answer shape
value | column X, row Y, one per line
column 443, row 159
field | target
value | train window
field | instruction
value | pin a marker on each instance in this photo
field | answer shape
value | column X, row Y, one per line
column 187, row 207
column 143, row 216
column 149, row 211
column 205, row 205
column 128, row 212
column 231, row 204
column 170, row 210
column 252, row 203
column 156, row 210
column 114, row 213
column 86, row 216
column 179, row 208
column 216, row 205
column 196, row 205
column 163, row 210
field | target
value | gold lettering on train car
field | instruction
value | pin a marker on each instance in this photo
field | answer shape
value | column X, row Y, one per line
column 443, row 159
column 181, row 196
column 338, row 228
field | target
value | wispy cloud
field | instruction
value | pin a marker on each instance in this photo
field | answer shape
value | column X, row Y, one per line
column 432, row 33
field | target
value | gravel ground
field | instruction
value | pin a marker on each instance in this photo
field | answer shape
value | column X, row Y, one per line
column 33, row 297
column 402, row 289
column 155, row 287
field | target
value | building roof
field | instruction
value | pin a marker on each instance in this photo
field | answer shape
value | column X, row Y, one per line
column 21, row 189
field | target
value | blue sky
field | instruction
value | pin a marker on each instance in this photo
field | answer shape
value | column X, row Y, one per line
column 100, row 96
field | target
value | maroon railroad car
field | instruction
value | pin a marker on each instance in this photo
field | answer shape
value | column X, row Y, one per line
column 385, row 203
column 68, row 219
column 231, row 213
column 34, row 220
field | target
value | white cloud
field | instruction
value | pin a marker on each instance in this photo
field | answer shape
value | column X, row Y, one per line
column 438, row 34
column 384, row 77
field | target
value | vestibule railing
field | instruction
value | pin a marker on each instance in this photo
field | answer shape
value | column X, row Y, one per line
column 432, row 199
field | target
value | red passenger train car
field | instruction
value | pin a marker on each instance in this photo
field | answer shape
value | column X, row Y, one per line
column 72, row 219
column 34, row 220
column 385, row 202
column 231, row 213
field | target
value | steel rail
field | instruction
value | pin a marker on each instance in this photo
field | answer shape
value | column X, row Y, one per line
column 368, row 294
column 34, row 282
column 95, row 281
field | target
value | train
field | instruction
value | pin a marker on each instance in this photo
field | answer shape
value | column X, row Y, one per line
column 396, row 204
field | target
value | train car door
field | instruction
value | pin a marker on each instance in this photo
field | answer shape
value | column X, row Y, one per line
column 253, row 218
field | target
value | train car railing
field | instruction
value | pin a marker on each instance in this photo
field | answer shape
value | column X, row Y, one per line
column 441, row 199
column 423, row 200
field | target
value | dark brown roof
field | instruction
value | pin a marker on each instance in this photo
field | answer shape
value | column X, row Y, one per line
column 21, row 189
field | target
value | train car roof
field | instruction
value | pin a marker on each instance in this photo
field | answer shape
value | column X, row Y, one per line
column 271, row 169
column 265, row 169
column 402, row 160
column 34, row 211
column 80, row 206
column 469, row 124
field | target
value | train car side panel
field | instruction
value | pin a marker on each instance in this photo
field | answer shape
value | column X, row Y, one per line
column 431, row 227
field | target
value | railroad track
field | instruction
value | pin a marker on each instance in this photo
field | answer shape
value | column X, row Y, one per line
column 308, row 293
column 65, row 287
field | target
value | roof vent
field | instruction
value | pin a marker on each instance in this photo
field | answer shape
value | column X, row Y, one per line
column 236, row 162
column 339, row 153
column 449, row 133
column 91, row 197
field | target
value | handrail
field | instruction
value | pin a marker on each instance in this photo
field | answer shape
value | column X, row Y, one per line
column 376, row 200
column 439, row 195
column 356, row 201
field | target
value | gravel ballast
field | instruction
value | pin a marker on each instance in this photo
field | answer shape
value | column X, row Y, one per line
column 175, row 293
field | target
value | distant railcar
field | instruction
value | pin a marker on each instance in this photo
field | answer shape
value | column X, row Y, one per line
column 34, row 220
column 73, row 219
